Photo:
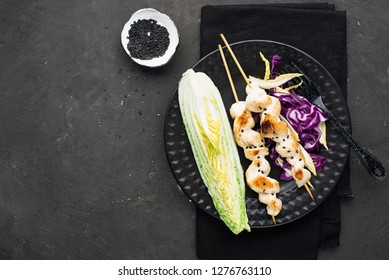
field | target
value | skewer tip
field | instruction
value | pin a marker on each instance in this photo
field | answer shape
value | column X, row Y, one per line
column 274, row 219
column 309, row 191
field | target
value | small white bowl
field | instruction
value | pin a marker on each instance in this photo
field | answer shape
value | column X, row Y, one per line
column 162, row 20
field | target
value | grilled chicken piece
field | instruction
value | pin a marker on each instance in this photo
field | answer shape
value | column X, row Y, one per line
column 243, row 121
column 257, row 99
column 272, row 127
column 260, row 183
column 274, row 204
column 256, row 153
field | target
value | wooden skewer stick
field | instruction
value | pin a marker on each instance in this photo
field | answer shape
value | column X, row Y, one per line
column 228, row 73
column 236, row 60
column 274, row 219
column 309, row 191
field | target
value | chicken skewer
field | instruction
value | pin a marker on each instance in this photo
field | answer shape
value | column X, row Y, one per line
column 255, row 150
column 287, row 145
column 273, row 127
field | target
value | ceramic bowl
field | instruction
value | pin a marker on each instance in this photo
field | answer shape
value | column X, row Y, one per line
column 161, row 19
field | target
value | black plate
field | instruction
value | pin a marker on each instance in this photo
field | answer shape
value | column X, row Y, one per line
column 296, row 202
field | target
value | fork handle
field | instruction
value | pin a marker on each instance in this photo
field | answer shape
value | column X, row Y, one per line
column 373, row 166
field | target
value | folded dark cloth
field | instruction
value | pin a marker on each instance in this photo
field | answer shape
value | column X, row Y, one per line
column 320, row 31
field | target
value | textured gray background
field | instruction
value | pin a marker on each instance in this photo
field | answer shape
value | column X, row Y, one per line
column 83, row 173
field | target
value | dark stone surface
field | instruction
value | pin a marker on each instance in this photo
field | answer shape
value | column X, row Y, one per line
column 83, row 173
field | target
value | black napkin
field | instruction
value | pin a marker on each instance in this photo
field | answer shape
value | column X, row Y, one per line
column 320, row 31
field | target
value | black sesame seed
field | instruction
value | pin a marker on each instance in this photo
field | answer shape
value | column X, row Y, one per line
column 300, row 159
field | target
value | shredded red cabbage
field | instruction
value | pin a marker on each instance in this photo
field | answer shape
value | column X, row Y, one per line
column 275, row 60
column 304, row 117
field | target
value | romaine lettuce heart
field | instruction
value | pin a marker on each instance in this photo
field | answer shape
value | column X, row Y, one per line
column 213, row 145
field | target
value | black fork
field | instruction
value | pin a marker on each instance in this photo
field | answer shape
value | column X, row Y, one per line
column 311, row 91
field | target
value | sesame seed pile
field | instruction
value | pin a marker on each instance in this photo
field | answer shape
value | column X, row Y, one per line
column 147, row 39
